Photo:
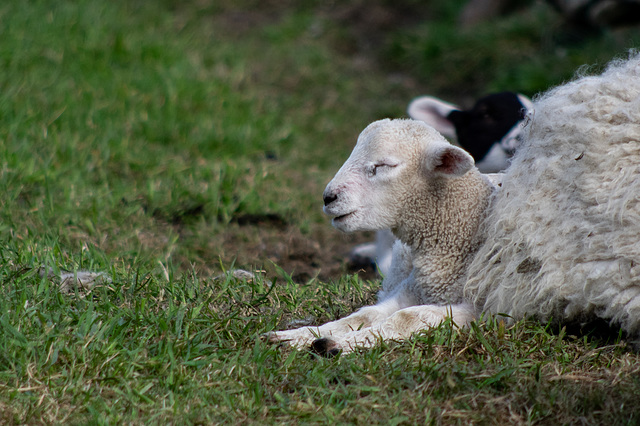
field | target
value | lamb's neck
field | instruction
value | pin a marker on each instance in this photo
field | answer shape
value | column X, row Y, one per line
column 441, row 227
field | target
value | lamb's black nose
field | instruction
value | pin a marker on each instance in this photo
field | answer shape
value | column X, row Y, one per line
column 329, row 198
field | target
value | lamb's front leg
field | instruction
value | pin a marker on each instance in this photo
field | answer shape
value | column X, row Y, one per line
column 361, row 319
column 393, row 297
column 399, row 326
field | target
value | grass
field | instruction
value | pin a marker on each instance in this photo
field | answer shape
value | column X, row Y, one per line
column 165, row 144
column 528, row 51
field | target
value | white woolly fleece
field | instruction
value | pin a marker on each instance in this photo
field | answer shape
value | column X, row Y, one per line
column 563, row 233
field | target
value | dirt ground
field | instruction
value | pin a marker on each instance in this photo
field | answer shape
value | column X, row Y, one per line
column 322, row 253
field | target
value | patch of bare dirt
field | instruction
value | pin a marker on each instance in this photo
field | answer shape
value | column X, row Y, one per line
column 322, row 254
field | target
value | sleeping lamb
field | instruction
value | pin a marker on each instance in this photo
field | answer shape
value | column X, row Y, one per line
column 559, row 239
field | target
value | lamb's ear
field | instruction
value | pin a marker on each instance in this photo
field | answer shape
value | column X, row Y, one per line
column 448, row 160
column 525, row 102
column 434, row 112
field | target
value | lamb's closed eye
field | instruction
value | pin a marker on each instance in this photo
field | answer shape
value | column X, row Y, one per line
column 381, row 167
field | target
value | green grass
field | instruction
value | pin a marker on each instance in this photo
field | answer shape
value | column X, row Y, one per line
column 528, row 52
column 166, row 143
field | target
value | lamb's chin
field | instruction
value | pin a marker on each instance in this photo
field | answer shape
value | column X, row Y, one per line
column 341, row 223
column 346, row 223
column 353, row 222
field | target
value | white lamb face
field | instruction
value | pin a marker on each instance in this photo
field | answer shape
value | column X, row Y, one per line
column 391, row 160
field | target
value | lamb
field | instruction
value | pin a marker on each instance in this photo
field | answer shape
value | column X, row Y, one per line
column 404, row 176
column 557, row 240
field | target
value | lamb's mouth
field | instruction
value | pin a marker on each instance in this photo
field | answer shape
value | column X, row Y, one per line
column 342, row 217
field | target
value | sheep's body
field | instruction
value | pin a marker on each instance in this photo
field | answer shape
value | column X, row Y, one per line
column 561, row 237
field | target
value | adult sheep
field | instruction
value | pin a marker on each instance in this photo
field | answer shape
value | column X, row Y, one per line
column 563, row 235
column 560, row 238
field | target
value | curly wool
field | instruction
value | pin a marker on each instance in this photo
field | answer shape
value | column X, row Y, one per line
column 563, row 234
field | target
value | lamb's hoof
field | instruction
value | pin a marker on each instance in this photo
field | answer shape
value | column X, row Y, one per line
column 268, row 337
column 273, row 337
column 325, row 347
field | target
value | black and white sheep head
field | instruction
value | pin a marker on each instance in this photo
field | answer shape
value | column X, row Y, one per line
column 489, row 131
column 391, row 161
